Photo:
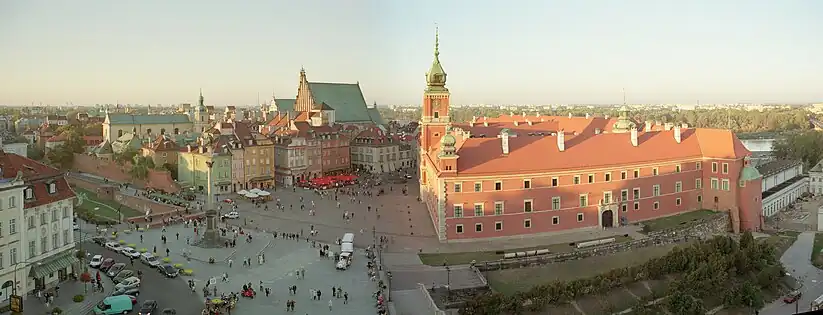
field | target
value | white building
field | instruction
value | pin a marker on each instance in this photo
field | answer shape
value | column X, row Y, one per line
column 783, row 182
column 816, row 179
column 374, row 151
column 36, row 219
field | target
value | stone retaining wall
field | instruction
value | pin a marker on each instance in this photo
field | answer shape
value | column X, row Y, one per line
column 705, row 228
column 159, row 210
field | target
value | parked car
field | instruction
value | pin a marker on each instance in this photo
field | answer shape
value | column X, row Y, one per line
column 150, row 260
column 99, row 240
column 114, row 246
column 231, row 215
column 106, row 264
column 96, row 261
column 148, row 307
column 130, row 252
column 169, row 271
column 123, row 275
column 168, row 311
column 792, row 297
column 128, row 283
column 128, row 291
column 115, row 269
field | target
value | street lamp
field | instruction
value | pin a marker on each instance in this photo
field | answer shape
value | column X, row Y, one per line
column 19, row 299
column 449, row 280
column 388, row 274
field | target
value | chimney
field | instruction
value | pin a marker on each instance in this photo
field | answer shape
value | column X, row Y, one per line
column 485, row 118
column 523, row 114
column 529, row 122
column 511, row 114
column 606, row 116
column 485, row 124
column 668, row 126
column 677, row 134
column 561, row 141
column 504, row 142
column 516, row 123
column 587, row 115
column 685, row 126
column 597, row 131
column 188, row 148
column 570, row 115
column 537, row 114
column 542, row 119
column 648, row 126
column 634, row 137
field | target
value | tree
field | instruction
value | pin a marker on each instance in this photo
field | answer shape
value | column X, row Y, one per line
column 126, row 156
column 141, row 166
column 171, row 168
column 34, row 153
column 61, row 157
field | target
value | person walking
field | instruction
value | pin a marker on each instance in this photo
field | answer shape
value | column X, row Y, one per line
column 330, row 304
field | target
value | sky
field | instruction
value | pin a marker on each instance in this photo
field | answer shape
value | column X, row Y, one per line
column 495, row 52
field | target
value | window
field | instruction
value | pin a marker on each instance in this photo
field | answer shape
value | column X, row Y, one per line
column 527, row 223
column 478, row 227
column 699, row 198
column 458, row 187
column 12, row 226
column 715, row 185
column 555, row 203
column 624, row 195
column 607, row 197
column 576, row 179
column 591, row 178
column 28, row 193
column 527, row 184
column 655, row 171
column 66, row 238
column 677, row 202
column 742, row 183
column 636, row 174
column 459, row 228
column 579, row 217
column 458, row 211
column 678, row 187
column 65, row 212
column 527, row 206
column 714, row 167
column 478, row 187
column 498, row 226
column 623, row 175
column 636, row 193
column 478, row 209
column 43, row 218
column 656, row 205
column 1, row 260
column 724, row 185
column 498, row 186
column 636, row 206
column 44, row 242
column 13, row 256
column 54, row 241
column 555, row 220
column 498, row 208
column 584, row 200
column 725, row 168
column 677, row 168
column 554, row 181
column 31, row 222
column 698, row 183
column 607, row 177
column 32, row 249
column 624, row 207
column 656, row 190
column 12, row 202
column 52, row 188
column 54, row 215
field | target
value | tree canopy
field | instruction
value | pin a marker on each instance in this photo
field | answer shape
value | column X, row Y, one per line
column 804, row 146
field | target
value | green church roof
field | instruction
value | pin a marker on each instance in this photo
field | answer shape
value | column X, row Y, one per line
column 284, row 105
column 127, row 119
column 345, row 98
column 375, row 116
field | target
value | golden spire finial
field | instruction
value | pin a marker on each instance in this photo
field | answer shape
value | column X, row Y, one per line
column 436, row 40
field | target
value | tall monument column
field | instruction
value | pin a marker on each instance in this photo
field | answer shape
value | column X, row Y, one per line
column 211, row 236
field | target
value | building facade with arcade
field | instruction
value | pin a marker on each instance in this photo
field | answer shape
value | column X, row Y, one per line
column 519, row 175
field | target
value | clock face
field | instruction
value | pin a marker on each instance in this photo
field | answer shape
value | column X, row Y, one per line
column 436, row 104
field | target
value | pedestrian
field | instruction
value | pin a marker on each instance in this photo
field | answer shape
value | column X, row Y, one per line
column 230, row 262
column 167, row 252
column 330, row 305
column 268, row 291
column 346, row 298
column 178, row 235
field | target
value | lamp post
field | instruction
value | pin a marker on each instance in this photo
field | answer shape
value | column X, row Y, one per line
column 388, row 274
column 449, row 280
column 14, row 287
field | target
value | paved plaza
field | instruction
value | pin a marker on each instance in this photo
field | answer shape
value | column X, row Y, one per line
column 282, row 258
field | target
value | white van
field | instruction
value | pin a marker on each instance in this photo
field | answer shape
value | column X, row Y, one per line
column 347, row 248
column 348, row 238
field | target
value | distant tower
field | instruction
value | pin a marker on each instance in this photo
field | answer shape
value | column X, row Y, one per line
column 435, row 116
column 201, row 115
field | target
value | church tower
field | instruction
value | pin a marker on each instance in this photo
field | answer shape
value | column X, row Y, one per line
column 435, row 116
column 201, row 115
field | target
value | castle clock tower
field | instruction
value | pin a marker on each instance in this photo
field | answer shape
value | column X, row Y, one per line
column 435, row 116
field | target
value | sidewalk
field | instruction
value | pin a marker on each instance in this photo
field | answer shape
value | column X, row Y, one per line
column 64, row 300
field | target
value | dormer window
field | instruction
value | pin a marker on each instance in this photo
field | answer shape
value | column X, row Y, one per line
column 52, row 187
column 28, row 193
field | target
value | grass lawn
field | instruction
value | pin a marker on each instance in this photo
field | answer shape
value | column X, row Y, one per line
column 817, row 258
column 105, row 208
column 509, row 281
column 437, row 259
column 675, row 221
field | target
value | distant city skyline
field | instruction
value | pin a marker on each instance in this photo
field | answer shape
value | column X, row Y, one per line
column 535, row 52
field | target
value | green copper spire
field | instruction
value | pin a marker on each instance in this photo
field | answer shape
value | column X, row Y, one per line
column 436, row 77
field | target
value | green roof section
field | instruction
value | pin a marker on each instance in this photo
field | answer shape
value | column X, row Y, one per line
column 375, row 116
column 126, row 119
column 345, row 98
column 284, row 105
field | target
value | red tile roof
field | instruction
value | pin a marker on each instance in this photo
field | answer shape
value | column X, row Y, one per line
column 482, row 156
column 37, row 176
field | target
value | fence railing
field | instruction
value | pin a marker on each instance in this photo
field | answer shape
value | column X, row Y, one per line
column 433, row 309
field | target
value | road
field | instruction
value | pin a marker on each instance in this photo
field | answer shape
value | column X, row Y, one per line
column 798, row 264
column 169, row 293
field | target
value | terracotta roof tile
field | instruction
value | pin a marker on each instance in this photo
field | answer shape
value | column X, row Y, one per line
column 37, row 176
column 521, row 124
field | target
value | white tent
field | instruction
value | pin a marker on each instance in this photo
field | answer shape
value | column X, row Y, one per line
column 264, row 193
column 242, row 192
column 255, row 191
column 251, row 195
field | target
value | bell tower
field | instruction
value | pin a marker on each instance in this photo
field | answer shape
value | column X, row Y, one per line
column 435, row 113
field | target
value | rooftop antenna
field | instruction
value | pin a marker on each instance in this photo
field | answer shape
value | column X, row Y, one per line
column 624, row 96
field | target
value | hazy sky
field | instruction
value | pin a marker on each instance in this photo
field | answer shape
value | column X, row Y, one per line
column 522, row 51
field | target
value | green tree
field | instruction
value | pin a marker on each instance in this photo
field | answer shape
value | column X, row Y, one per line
column 34, row 153
column 805, row 146
column 61, row 157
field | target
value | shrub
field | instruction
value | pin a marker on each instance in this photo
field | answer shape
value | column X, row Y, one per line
column 178, row 266
column 143, row 250
column 85, row 277
column 121, row 242
column 78, row 298
column 166, row 260
column 141, row 230
column 187, row 272
column 132, row 245
column 57, row 310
